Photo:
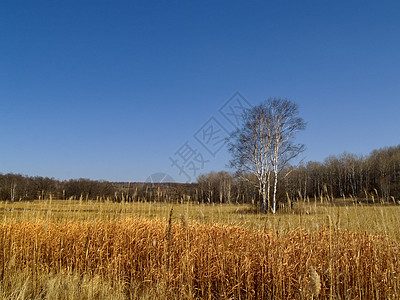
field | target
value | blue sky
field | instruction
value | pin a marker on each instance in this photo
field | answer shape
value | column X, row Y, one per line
column 116, row 90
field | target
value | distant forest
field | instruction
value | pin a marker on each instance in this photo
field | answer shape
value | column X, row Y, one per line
column 372, row 177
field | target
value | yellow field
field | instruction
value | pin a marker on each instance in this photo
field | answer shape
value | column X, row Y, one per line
column 92, row 250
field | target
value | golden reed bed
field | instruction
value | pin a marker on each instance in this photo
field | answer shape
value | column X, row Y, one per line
column 181, row 260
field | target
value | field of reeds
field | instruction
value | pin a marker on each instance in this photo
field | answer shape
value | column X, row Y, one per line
column 100, row 250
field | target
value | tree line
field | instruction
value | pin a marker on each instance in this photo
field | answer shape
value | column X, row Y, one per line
column 16, row 187
column 368, row 177
column 364, row 178
column 373, row 177
column 214, row 187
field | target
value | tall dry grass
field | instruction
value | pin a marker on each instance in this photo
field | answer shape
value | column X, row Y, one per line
column 18, row 284
column 374, row 219
column 162, row 259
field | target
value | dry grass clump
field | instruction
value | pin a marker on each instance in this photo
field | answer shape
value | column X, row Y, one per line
column 176, row 260
column 314, row 288
column 19, row 284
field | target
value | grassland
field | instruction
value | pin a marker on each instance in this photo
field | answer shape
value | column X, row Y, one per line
column 103, row 250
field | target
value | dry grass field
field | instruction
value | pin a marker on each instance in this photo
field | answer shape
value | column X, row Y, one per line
column 99, row 250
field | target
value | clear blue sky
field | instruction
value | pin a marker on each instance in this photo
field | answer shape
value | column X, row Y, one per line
column 115, row 89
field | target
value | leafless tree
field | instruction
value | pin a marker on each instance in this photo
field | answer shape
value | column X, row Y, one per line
column 264, row 145
column 250, row 147
column 284, row 123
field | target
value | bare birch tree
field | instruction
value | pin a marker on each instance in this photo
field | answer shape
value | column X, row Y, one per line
column 264, row 144
column 250, row 147
column 284, row 123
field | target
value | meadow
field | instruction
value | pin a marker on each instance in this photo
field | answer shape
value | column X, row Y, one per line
column 71, row 249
